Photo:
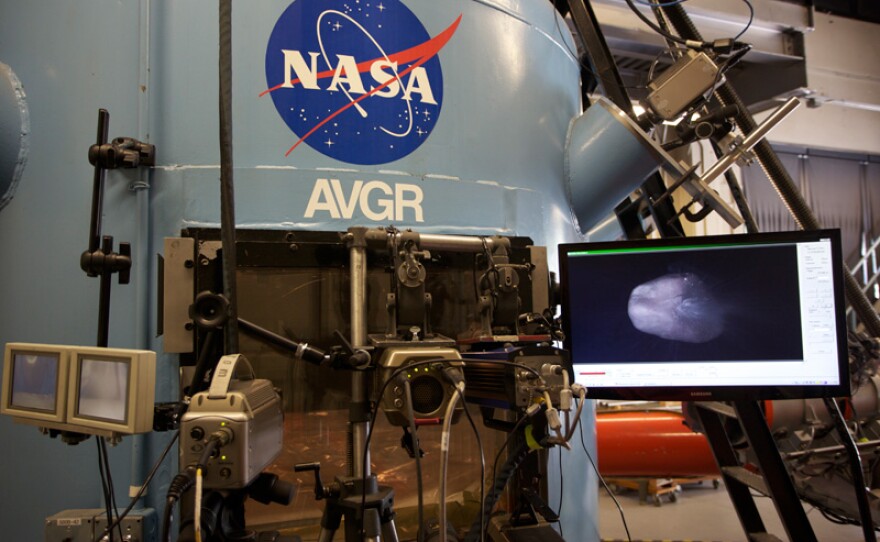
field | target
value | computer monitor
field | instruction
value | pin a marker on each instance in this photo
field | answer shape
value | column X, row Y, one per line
column 35, row 382
column 87, row 390
column 737, row 317
column 112, row 390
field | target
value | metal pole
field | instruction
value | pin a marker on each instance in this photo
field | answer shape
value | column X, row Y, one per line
column 855, row 464
column 360, row 467
column 98, row 185
column 752, row 139
column 455, row 243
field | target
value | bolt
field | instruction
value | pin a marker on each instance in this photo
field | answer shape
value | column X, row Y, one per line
column 293, row 247
column 188, row 326
column 289, row 237
column 188, row 264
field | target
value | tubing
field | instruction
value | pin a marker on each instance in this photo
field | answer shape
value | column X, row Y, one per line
column 142, row 282
column 779, row 177
column 444, row 456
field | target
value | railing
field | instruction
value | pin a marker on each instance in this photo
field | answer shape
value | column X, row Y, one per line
column 867, row 273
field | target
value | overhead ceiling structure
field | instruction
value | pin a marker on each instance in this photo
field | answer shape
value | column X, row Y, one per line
column 824, row 52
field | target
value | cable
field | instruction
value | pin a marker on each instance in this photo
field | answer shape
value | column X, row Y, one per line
column 653, row 26
column 485, row 507
column 693, row 43
column 399, row 371
column 507, row 441
column 444, row 456
column 185, row 480
column 143, row 487
column 217, row 440
column 561, row 491
column 375, row 413
column 582, row 395
column 751, row 19
column 104, row 488
column 197, row 503
column 510, row 466
column 605, row 485
column 114, row 508
column 482, row 462
column 179, row 485
column 411, row 417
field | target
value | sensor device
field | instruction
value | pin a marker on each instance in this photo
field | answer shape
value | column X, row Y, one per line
column 107, row 392
column 430, row 389
column 245, row 408
column 683, row 84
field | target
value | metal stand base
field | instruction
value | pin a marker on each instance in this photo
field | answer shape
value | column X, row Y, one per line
column 774, row 480
column 500, row 530
column 375, row 513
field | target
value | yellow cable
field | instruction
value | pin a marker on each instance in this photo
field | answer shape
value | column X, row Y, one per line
column 198, row 505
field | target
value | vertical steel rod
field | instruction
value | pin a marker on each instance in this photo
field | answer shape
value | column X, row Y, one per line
column 98, row 184
column 358, row 272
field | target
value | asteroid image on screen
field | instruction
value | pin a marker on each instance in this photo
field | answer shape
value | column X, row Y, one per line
column 34, row 381
column 677, row 307
column 706, row 305
column 103, row 389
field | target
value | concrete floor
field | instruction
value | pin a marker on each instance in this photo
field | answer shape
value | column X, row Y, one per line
column 700, row 513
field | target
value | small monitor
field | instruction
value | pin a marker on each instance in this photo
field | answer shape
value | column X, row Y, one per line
column 88, row 390
column 34, row 382
column 111, row 390
column 756, row 316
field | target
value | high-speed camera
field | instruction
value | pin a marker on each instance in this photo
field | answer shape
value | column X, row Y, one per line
column 246, row 411
column 431, row 389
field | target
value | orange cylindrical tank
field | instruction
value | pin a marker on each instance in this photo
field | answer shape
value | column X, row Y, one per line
column 651, row 443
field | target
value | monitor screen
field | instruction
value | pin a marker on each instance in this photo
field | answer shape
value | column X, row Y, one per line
column 756, row 316
column 111, row 390
column 34, row 381
column 103, row 388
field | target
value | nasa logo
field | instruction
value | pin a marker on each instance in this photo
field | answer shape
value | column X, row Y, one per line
column 357, row 80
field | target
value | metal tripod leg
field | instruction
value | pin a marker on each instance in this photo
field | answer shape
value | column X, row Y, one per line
column 368, row 518
column 330, row 521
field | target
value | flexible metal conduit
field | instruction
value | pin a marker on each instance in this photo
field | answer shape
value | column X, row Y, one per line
column 227, row 194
